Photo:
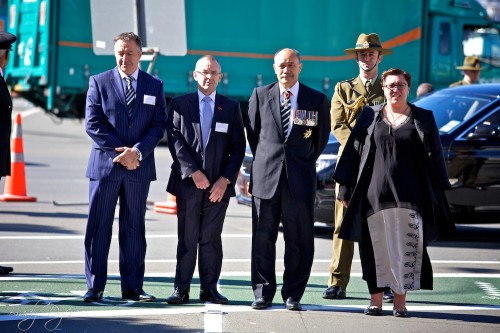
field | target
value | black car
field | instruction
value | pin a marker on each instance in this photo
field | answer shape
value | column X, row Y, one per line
column 325, row 165
column 468, row 118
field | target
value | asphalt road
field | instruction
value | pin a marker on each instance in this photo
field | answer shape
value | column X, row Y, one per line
column 43, row 241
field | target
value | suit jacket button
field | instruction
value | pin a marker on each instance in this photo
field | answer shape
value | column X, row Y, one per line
column 129, row 126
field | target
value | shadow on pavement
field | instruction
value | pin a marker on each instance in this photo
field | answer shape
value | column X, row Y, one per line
column 123, row 325
column 35, row 228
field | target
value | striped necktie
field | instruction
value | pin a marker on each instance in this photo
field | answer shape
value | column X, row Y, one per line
column 130, row 95
column 286, row 107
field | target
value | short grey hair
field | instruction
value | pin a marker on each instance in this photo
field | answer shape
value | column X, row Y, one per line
column 126, row 36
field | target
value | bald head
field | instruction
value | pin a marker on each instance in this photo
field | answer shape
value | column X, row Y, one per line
column 208, row 74
column 287, row 67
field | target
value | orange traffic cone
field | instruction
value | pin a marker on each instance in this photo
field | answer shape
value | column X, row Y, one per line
column 167, row 207
column 15, row 184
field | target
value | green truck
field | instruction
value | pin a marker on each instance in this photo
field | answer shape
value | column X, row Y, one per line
column 59, row 44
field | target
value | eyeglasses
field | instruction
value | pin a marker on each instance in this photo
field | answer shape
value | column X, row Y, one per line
column 400, row 86
column 205, row 73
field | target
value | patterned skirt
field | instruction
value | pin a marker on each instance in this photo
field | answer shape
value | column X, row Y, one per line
column 397, row 240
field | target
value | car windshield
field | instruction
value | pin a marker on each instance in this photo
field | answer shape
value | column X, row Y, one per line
column 450, row 109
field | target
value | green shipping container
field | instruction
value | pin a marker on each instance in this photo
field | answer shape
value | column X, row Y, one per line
column 54, row 55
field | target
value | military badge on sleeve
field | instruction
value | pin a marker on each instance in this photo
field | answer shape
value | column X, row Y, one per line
column 308, row 133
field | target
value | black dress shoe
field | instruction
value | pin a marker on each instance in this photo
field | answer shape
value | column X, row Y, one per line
column 213, row 296
column 388, row 296
column 5, row 270
column 138, row 296
column 92, row 295
column 334, row 292
column 262, row 303
column 292, row 304
column 178, row 297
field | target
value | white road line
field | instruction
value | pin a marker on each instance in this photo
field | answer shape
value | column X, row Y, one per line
column 232, row 309
column 489, row 289
column 27, row 113
column 115, row 275
column 35, row 237
column 212, row 319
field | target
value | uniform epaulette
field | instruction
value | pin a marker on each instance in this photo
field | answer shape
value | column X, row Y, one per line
column 351, row 82
column 354, row 78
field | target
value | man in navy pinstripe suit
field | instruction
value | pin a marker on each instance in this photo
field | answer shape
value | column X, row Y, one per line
column 125, row 132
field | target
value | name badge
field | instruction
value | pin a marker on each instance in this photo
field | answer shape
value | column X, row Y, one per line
column 148, row 99
column 221, row 127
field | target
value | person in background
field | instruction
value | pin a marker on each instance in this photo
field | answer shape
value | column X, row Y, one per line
column 424, row 89
column 206, row 139
column 287, row 130
column 388, row 152
column 125, row 117
column 472, row 71
column 6, row 41
column 348, row 100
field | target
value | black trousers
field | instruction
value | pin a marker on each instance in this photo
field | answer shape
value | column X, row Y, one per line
column 297, row 218
column 199, row 225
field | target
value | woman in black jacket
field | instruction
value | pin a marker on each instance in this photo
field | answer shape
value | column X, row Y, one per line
column 393, row 176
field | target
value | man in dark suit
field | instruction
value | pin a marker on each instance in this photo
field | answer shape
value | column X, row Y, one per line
column 6, row 41
column 287, row 128
column 207, row 142
column 126, row 118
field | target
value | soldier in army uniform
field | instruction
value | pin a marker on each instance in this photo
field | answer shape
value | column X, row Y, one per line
column 348, row 100
column 471, row 68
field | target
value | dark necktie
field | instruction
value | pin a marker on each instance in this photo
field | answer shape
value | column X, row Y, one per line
column 368, row 86
column 130, row 95
column 207, row 120
column 286, row 107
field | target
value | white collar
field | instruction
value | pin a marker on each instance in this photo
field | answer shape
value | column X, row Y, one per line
column 134, row 74
column 364, row 80
column 294, row 89
column 202, row 95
